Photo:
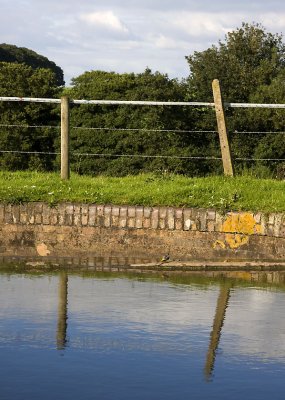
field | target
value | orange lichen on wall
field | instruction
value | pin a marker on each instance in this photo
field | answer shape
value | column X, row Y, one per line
column 238, row 228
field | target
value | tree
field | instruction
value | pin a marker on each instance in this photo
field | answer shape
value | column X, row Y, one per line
column 20, row 80
column 128, row 130
column 21, row 55
column 249, row 57
column 247, row 64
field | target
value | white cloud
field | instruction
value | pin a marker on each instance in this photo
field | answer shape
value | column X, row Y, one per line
column 105, row 19
column 200, row 24
column 128, row 35
column 273, row 20
column 164, row 42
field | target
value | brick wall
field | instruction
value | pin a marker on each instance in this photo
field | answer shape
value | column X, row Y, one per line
column 36, row 229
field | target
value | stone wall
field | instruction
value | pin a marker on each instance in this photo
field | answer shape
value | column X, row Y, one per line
column 146, row 233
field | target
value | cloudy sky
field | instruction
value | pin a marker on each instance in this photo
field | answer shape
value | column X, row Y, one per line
column 128, row 35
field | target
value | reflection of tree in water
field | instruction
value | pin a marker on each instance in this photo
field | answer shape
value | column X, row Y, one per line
column 222, row 305
column 62, row 311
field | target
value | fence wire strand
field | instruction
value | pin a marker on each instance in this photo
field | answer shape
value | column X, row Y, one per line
column 141, row 156
column 108, row 129
column 135, row 129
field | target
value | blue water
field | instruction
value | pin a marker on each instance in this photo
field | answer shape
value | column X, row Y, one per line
column 119, row 338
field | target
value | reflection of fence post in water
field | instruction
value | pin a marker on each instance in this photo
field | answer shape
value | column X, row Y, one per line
column 62, row 311
column 222, row 304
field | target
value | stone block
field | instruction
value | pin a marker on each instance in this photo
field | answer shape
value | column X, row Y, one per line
column 211, row 215
column 178, row 224
column 61, row 214
column 264, row 223
column 38, row 211
column 8, row 217
column 131, row 222
column 77, row 215
column 146, row 223
column 107, row 216
column 171, row 219
column 162, row 223
column 115, row 221
column 123, row 217
column 115, row 211
column 257, row 218
column 282, row 231
column 271, row 219
column 162, row 217
column 84, row 215
column 131, row 212
column 187, row 218
column 203, row 220
column 147, row 212
column 155, row 218
column 30, row 214
column 277, row 224
column 68, row 215
column 46, row 214
column 178, row 217
column 147, row 217
column 92, row 211
column 100, row 211
column 270, row 230
column 211, row 226
column 219, row 222
column 15, row 213
column 53, row 216
column 139, row 217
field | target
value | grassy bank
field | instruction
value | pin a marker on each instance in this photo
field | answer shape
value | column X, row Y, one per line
column 241, row 193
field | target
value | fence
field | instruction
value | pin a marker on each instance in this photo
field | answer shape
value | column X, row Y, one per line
column 218, row 105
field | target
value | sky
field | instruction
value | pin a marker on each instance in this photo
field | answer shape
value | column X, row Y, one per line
column 129, row 35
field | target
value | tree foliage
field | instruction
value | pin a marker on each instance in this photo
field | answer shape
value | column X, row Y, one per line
column 120, row 139
column 21, row 55
column 133, row 130
column 20, row 80
column 250, row 67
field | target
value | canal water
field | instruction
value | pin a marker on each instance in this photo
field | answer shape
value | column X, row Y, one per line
column 90, row 336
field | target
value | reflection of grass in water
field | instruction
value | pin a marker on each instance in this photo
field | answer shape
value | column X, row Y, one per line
column 200, row 279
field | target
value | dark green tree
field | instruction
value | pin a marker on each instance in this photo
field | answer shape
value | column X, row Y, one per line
column 129, row 130
column 20, row 80
column 247, row 63
column 21, row 55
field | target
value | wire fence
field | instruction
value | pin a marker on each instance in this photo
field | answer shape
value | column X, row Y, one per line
column 65, row 152
column 144, row 130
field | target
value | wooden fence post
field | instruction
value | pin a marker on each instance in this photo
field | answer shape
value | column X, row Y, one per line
column 222, row 129
column 65, row 172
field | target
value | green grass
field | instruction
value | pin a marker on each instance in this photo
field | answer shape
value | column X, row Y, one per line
column 240, row 193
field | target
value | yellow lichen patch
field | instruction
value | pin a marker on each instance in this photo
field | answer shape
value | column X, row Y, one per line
column 238, row 227
column 236, row 240
column 219, row 244
column 241, row 223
